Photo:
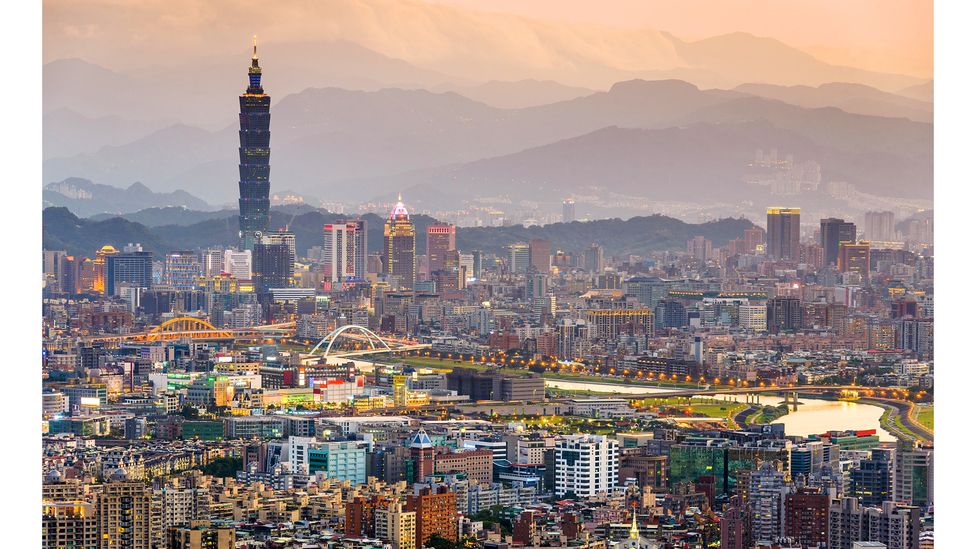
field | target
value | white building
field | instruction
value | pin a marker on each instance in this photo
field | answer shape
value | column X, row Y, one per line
column 600, row 407
column 298, row 453
column 238, row 264
column 339, row 251
column 752, row 317
column 586, row 465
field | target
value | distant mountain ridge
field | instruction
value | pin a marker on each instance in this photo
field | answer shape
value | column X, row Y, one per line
column 87, row 198
column 670, row 164
column 62, row 230
column 326, row 137
column 853, row 98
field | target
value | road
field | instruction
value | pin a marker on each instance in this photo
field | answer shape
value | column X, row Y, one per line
column 907, row 426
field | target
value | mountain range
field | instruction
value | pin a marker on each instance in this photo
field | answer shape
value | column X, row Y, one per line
column 451, row 105
column 87, row 198
column 331, row 142
column 62, row 230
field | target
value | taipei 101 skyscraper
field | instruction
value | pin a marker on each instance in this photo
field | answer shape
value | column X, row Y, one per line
column 255, row 156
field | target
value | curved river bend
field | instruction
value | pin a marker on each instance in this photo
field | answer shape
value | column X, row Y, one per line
column 813, row 416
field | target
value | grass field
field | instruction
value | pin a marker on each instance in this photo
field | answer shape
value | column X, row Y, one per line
column 695, row 406
column 926, row 416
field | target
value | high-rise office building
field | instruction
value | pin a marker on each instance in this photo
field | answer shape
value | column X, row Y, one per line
column 752, row 317
column 400, row 239
column 441, row 240
column 754, row 239
column 238, row 263
column 182, row 269
column 54, row 264
column 273, row 266
column 854, row 257
column 670, row 313
column 255, row 157
column 873, row 481
column 341, row 250
column 647, row 289
column 540, row 255
column 69, row 276
column 519, row 257
column 450, row 277
column 783, row 314
column 879, row 226
column 362, row 249
column 700, row 248
column 833, row 232
column 783, row 233
column 282, row 236
column 133, row 268
column 100, row 265
column 536, row 285
column 914, row 470
column 466, row 264
column 593, row 259
column 586, row 465
column 212, row 261
column 569, row 210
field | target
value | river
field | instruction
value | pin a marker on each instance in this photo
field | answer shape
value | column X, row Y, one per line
column 813, row 415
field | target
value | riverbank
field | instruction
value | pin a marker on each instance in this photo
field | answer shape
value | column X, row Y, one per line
column 767, row 414
column 897, row 420
column 818, row 413
column 447, row 364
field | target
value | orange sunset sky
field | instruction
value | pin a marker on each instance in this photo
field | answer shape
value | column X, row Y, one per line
column 882, row 35
column 892, row 36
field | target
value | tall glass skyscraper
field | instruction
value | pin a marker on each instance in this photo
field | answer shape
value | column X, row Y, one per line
column 255, row 156
column 400, row 237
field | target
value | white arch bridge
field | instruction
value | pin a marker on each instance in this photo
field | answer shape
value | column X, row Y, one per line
column 372, row 342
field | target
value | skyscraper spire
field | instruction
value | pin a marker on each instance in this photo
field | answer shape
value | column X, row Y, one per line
column 255, row 153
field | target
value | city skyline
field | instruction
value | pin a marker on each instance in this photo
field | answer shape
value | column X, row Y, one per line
column 571, row 327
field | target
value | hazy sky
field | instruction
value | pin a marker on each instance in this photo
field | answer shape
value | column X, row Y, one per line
column 882, row 35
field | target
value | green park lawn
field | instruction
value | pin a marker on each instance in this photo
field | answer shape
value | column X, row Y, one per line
column 926, row 416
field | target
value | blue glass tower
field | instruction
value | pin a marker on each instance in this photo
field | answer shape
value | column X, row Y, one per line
column 255, row 157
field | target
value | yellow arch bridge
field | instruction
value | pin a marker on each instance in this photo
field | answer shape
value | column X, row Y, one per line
column 189, row 327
